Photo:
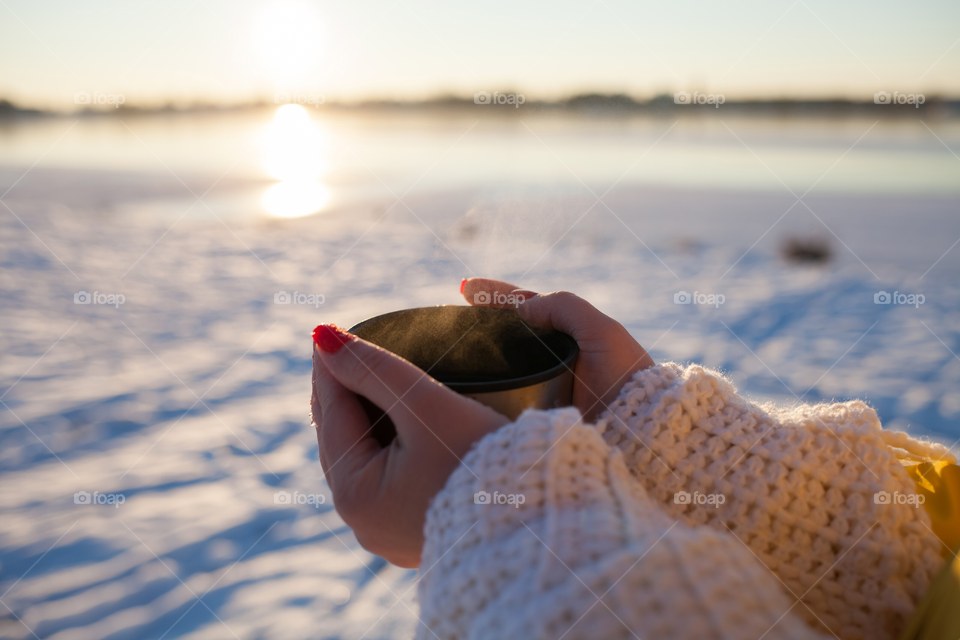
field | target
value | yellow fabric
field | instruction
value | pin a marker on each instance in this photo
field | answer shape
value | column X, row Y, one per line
column 937, row 617
column 939, row 484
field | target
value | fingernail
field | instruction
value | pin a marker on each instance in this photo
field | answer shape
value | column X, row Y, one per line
column 526, row 294
column 463, row 285
column 330, row 338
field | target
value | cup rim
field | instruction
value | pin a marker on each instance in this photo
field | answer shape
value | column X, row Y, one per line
column 508, row 384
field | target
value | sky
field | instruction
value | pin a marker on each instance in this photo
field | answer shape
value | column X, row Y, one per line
column 221, row 51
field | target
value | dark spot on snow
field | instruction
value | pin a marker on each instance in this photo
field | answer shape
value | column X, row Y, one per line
column 806, row 250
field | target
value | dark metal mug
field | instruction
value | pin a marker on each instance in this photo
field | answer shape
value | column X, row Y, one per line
column 487, row 354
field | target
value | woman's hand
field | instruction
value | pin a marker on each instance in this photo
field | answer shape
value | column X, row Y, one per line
column 608, row 353
column 383, row 493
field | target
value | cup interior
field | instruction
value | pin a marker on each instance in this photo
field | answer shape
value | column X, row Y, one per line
column 472, row 349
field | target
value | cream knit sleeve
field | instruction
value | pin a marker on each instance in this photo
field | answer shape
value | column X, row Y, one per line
column 817, row 493
column 543, row 532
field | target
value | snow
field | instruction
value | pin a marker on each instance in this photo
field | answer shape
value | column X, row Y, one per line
column 191, row 398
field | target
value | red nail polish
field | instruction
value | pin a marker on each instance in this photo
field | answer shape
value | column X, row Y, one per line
column 330, row 338
column 463, row 285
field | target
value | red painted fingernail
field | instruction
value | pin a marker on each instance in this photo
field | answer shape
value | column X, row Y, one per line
column 330, row 338
column 463, row 285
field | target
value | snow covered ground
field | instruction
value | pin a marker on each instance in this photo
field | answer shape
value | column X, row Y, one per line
column 190, row 398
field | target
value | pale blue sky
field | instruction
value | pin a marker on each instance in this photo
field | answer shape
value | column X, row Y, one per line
column 226, row 51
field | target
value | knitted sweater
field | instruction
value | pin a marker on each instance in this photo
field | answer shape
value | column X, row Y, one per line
column 685, row 512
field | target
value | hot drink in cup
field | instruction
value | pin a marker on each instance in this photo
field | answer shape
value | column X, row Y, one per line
column 487, row 354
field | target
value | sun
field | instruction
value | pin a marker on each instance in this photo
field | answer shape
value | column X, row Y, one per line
column 288, row 38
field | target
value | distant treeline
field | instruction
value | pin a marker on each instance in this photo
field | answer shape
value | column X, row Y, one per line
column 708, row 104
column 7, row 108
column 515, row 103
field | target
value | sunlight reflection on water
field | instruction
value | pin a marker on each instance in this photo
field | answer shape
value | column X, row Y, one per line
column 294, row 154
column 294, row 198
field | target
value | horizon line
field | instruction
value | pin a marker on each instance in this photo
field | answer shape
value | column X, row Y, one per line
column 102, row 104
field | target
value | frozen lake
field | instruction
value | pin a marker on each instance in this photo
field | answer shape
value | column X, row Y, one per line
column 190, row 398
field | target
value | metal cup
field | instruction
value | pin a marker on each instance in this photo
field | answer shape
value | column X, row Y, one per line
column 489, row 355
